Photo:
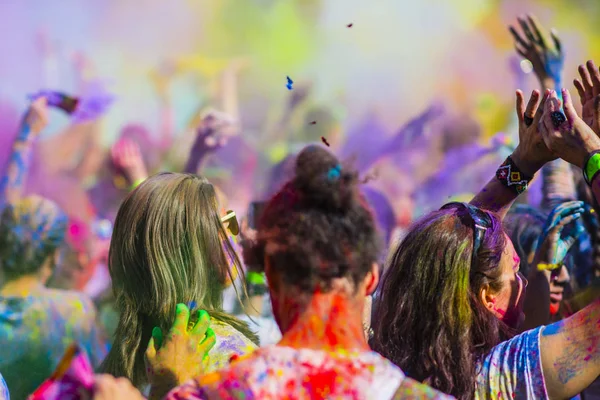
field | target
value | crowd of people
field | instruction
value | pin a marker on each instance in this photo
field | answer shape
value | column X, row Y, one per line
column 315, row 293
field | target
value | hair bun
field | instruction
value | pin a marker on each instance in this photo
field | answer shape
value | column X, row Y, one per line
column 322, row 181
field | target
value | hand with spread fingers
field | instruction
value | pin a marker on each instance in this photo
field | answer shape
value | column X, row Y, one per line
column 567, row 135
column 531, row 152
column 127, row 157
column 214, row 130
column 557, row 239
column 544, row 53
column 589, row 93
column 179, row 356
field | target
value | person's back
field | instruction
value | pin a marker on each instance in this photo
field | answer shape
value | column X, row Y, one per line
column 36, row 330
column 37, row 324
column 276, row 372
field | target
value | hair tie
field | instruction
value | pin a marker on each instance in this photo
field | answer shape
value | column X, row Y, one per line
column 334, row 173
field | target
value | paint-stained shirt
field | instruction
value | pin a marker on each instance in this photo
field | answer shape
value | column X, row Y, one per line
column 277, row 372
column 513, row 370
column 230, row 343
column 4, row 395
column 36, row 330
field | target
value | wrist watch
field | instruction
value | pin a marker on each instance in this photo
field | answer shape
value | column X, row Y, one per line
column 591, row 167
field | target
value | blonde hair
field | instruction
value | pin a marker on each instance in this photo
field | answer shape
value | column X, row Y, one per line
column 168, row 247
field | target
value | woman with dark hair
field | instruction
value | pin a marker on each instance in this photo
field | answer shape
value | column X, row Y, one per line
column 453, row 293
column 318, row 288
column 169, row 246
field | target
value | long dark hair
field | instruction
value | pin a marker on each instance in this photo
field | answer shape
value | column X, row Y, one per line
column 429, row 319
column 168, row 246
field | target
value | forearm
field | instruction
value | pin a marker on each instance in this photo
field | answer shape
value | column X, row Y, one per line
column 570, row 353
column 229, row 97
column 167, row 124
column 13, row 181
column 197, row 155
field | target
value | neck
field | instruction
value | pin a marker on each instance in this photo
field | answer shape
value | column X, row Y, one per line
column 330, row 322
column 22, row 286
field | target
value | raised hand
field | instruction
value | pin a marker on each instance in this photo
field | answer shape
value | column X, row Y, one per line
column 531, row 152
column 214, row 130
column 555, row 242
column 37, row 116
column 545, row 54
column 589, row 89
column 126, row 157
column 179, row 356
column 569, row 138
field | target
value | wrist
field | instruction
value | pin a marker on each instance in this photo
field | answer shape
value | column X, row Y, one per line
column 548, row 83
column 137, row 175
column 526, row 166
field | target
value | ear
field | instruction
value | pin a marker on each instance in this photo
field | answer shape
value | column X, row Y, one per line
column 372, row 280
column 487, row 298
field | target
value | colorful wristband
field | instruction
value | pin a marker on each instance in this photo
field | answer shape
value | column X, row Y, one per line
column 511, row 177
column 591, row 167
column 136, row 184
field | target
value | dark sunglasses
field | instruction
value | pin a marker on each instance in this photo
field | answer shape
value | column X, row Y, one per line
column 476, row 219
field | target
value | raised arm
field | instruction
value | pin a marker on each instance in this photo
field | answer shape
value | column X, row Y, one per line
column 13, row 181
column 542, row 50
column 127, row 159
column 570, row 349
column 210, row 137
column 530, row 155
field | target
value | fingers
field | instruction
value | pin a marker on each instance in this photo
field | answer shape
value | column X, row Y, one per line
column 586, row 80
column 199, row 330
column 580, row 90
column 532, row 105
column 595, row 76
column 520, row 106
column 568, row 106
column 157, row 336
column 556, row 40
column 563, row 211
column 552, row 105
column 209, row 341
column 526, row 30
column 540, row 110
column 182, row 318
column 535, row 26
column 151, row 350
column 518, row 39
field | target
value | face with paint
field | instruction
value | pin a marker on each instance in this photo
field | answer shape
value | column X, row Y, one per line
column 507, row 302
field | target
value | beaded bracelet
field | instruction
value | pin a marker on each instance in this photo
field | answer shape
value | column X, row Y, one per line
column 511, row 176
